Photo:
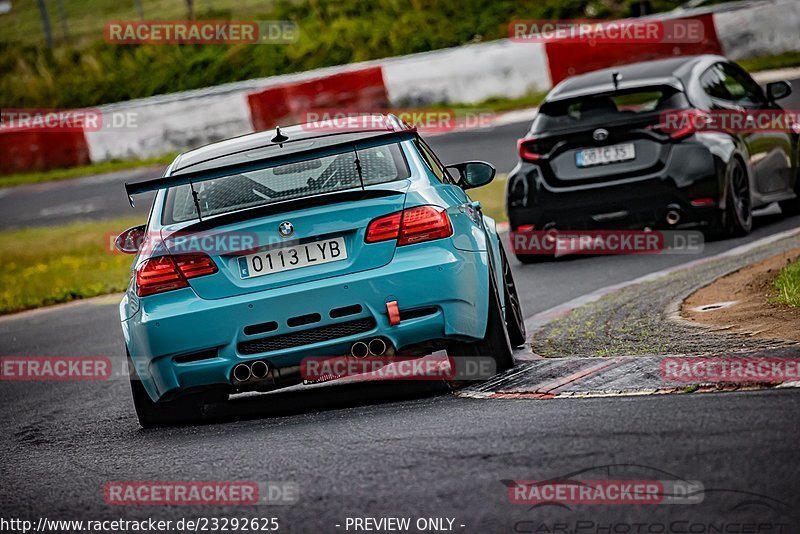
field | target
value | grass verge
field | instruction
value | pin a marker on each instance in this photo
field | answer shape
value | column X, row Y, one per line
column 778, row 61
column 787, row 285
column 12, row 180
column 495, row 104
column 51, row 265
column 492, row 198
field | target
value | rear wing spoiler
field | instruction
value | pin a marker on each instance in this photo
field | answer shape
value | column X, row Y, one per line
column 191, row 178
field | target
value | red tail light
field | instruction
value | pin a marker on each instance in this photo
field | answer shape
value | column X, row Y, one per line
column 165, row 273
column 384, row 228
column 683, row 123
column 527, row 149
column 414, row 225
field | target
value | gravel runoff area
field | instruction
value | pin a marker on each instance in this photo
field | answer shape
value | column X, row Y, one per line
column 644, row 319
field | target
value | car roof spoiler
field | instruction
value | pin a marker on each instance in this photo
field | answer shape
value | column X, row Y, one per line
column 190, row 178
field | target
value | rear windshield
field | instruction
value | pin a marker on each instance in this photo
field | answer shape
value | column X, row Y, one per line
column 294, row 180
column 603, row 109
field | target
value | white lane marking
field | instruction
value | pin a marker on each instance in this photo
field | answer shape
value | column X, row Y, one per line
column 538, row 320
column 69, row 209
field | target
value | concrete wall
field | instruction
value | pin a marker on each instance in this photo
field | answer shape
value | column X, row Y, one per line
column 467, row 74
column 762, row 30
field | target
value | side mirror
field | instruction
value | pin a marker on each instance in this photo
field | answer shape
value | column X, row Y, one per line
column 130, row 241
column 778, row 90
column 473, row 173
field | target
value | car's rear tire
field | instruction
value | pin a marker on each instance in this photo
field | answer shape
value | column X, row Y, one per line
column 737, row 217
column 515, row 322
column 152, row 414
column 495, row 342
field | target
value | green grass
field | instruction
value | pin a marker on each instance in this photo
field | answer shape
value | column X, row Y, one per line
column 494, row 104
column 12, row 180
column 492, row 198
column 778, row 61
column 51, row 265
column 787, row 285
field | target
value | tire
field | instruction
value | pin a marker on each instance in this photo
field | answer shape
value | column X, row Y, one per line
column 152, row 414
column 495, row 342
column 515, row 322
column 737, row 217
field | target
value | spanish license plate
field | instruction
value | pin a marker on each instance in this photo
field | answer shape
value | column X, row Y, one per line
column 604, row 155
column 277, row 260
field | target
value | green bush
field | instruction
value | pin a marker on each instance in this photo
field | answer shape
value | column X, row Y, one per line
column 90, row 71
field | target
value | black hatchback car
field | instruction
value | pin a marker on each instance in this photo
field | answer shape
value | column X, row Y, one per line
column 634, row 146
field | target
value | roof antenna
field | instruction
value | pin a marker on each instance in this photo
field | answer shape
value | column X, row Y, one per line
column 359, row 170
column 279, row 137
column 196, row 199
column 615, row 77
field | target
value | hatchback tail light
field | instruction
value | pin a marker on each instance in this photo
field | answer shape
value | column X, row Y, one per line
column 165, row 273
column 528, row 150
column 683, row 123
column 413, row 225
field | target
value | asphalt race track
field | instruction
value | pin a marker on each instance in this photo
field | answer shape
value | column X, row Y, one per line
column 386, row 450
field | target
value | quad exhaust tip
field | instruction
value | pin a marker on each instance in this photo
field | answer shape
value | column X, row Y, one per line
column 245, row 372
column 242, row 372
column 373, row 347
column 359, row 350
column 259, row 369
column 377, row 347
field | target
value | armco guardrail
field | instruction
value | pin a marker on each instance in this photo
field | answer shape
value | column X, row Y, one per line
column 467, row 74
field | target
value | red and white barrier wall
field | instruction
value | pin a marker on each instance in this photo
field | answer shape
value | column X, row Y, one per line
column 467, row 74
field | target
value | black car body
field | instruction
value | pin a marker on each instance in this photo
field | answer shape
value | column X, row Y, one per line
column 664, row 178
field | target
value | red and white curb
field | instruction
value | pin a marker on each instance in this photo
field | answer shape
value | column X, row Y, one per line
column 537, row 377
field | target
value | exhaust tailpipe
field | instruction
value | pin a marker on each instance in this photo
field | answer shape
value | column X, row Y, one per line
column 359, row 350
column 259, row 369
column 242, row 372
column 377, row 347
column 673, row 216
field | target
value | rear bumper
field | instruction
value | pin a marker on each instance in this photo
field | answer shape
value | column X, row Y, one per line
column 178, row 325
column 692, row 173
